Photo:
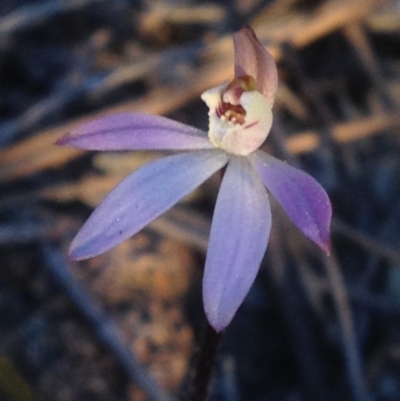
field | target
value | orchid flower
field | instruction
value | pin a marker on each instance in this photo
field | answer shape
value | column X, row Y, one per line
column 240, row 119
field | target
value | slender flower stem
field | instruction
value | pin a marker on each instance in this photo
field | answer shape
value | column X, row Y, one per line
column 205, row 365
column 350, row 344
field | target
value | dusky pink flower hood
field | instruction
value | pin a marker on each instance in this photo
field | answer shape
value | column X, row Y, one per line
column 240, row 119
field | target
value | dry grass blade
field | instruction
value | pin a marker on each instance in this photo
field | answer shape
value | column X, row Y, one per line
column 33, row 14
column 35, row 154
column 104, row 327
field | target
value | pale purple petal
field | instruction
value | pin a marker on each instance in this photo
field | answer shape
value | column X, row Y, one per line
column 239, row 236
column 142, row 197
column 252, row 58
column 136, row 131
column 301, row 196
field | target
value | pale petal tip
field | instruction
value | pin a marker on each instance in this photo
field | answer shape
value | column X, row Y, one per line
column 219, row 328
column 217, row 322
column 219, row 314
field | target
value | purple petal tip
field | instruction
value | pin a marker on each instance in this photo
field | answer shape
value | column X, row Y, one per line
column 301, row 196
column 80, row 248
column 71, row 257
column 62, row 141
column 74, row 254
column 326, row 247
